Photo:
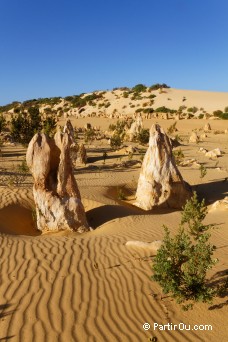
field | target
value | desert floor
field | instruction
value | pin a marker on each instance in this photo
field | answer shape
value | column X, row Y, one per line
column 91, row 287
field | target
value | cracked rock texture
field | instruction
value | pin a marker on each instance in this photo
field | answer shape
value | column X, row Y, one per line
column 160, row 182
column 55, row 190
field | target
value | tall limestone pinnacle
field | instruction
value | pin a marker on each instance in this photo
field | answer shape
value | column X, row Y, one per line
column 160, row 182
column 56, row 194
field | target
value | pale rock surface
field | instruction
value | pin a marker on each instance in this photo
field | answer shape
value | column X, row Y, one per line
column 211, row 154
column 56, row 195
column 68, row 128
column 220, row 204
column 203, row 136
column 188, row 162
column 216, row 152
column 135, row 128
column 194, row 138
column 207, row 127
column 160, row 182
column 202, row 150
column 153, row 246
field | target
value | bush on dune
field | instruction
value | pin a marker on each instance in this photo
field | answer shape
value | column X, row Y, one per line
column 182, row 262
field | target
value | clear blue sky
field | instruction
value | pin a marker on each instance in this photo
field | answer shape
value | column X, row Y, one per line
column 59, row 48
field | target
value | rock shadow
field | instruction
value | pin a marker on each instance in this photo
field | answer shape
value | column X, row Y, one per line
column 213, row 191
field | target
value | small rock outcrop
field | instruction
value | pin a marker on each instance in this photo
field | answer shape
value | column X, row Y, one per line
column 216, row 152
column 160, row 182
column 194, row 138
column 153, row 246
column 207, row 127
column 57, row 198
column 220, row 204
column 135, row 128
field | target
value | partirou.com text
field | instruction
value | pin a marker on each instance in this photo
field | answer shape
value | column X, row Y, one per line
column 180, row 326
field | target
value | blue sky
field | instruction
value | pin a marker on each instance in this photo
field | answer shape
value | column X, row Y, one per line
column 59, row 48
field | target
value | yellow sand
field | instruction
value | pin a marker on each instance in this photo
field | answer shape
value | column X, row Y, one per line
column 91, row 287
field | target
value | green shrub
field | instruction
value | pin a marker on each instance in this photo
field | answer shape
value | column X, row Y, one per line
column 171, row 129
column 158, row 86
column 107, row 104
column 217, row 113
column 182, row 262
column 203, row 171
column 164, row 109
column 226, row 109
column 220, row 114
column 23, row 167
column 148, row 110
column 17, row 110
column 181, row 108
column 178, row 155
column 2, row 123
column 25, row 125
column 125, row 94
column 120, row 194
column 89, row 135
column 9, row 106
column 49, row 125
column 111, row 127
column 136, row 96
column 143, row 136
column 224, row 116
column 119, row 127
column 139, row 88
column 192, row 110
column 152, row 96
column 115, row 141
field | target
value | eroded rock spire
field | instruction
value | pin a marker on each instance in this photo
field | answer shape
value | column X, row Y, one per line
column 160, row 182
column 56, row 194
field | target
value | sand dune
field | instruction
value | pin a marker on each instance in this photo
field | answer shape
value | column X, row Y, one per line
column 91, row 287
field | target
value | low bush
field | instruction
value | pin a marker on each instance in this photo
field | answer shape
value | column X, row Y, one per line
column 164, row 109
column 192, row 110
column 143, row 136
column 171, row 129
column 115, row 141
column 182, row 262
column 2, row 123
column 178, row 155
column 139, row 88
column 220, row 114
column 158, row 86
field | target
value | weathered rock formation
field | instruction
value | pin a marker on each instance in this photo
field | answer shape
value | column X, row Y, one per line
column 68, row 128
column 160, row 182
column 216, row 152
column 207, row 127
column 81, row 155
column 135, row 128
column 194, row 138
column 57, row 198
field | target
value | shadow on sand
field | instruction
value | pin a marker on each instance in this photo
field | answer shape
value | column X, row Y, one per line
column 220, row 280
column 4, row 312
column 213, row 191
